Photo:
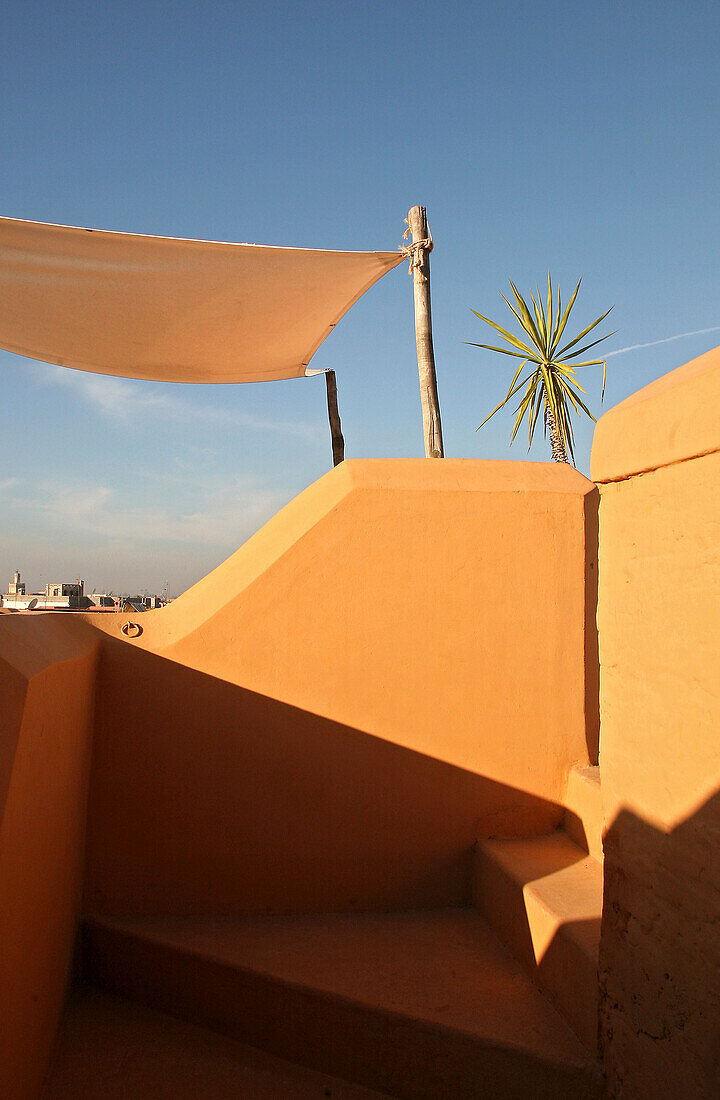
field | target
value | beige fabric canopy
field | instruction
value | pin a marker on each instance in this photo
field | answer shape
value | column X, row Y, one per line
column 173, row 310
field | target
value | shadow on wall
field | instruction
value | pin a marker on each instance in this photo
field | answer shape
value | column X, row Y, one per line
column 206, row 797
column 14, row 694
column 660, row 956
column 46, row 715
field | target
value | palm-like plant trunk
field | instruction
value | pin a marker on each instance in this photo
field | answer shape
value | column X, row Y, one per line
column 558, row 450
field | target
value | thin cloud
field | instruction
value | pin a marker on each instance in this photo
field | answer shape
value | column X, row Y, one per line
column 666, row 340
column 8, row 483
column 230, row 511
column 122, row 398
column 77, row 503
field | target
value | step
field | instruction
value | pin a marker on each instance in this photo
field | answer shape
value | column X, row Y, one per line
column 584, row 811
column 109, row 1048
column 423, row 1004
column 543, row 897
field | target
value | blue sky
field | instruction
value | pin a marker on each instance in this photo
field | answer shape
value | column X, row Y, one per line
column 580, row 137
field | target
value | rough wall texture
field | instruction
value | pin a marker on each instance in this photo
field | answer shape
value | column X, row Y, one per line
column 392, row 667
column 659, row 628
column 47, row 677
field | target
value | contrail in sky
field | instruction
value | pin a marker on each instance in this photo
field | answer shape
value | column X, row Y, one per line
column 667, row 340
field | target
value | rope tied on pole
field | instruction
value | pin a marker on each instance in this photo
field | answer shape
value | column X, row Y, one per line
column 415, row 249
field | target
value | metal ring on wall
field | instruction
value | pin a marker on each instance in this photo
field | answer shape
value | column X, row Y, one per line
column 131, row 630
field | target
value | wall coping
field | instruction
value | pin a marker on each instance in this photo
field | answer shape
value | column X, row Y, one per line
column 461, row 475
column 671, row 420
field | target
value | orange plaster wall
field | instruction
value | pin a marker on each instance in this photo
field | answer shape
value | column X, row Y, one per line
column 397, row 663
column 659, row 628
column 209, row 798
column 440, row 605
column 47, row 671
column 671, row 420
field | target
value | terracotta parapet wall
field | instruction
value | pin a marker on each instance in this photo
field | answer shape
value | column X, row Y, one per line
column 47, row 680
column 669, row 421
column 657, row 457
column 402, row 597
column 400, row 661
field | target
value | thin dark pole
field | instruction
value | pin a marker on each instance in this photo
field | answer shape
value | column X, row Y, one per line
column 338, row 443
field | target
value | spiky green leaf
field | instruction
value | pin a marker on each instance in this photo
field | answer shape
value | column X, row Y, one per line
column 564, row 319
column 584, row 332
column 503, row 332
column 586, row 347
column 502, row 351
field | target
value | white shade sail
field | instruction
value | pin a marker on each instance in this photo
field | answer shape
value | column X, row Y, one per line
column 173, row 310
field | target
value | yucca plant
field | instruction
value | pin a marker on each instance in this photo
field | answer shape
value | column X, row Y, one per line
column 551, row 384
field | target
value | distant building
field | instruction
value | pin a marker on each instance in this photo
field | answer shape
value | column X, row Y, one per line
column 99, row 599
column 141, row 603
column 16, row 586
column 16, row 599
column 70, row 596
column 63, row 595
column 133, row 603
column 60, row 596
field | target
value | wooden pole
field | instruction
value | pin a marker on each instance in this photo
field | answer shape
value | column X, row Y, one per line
column 338, row 443
column 420, row 263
